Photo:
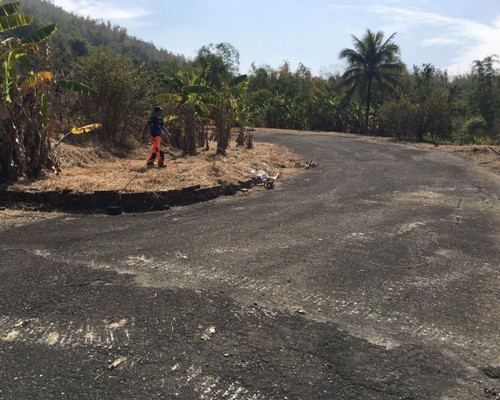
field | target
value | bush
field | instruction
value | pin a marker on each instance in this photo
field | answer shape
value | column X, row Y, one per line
column 472, row 130
column 125, row 96
column 405, row 119
column 398, row 119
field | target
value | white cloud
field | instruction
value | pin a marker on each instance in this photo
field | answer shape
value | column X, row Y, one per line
column 470, row 39
column 438, row 41
column 101, row 9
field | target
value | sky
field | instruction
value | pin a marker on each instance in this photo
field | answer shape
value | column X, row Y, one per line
column 450, row 34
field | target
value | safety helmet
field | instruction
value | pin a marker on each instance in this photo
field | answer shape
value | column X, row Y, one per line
column 158, row 108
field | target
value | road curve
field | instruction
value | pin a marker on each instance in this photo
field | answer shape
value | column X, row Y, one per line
column 374, row 275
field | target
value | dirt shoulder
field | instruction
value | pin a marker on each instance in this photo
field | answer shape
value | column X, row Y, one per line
column 486, row 156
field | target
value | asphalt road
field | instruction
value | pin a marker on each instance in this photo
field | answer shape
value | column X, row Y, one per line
column 373, row 276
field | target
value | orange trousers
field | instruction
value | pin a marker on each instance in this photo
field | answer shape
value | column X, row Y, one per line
column 156, row 152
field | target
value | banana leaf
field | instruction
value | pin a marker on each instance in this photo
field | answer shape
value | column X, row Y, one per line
column 197, row 89
column 8, row 22
column 38, row 77
column 169, row 98
column 10, row 72
column 169, row 118
column 237, row 80
column 202, row 110
column 40, row 35
column 178, row 82
column 76, row 87
column 9, row 9
column 85, row 129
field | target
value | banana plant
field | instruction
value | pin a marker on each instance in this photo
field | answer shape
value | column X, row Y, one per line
column 190, row 107
column 228, row 108
column 199, row 104
column 23, row 97
column 241, row 109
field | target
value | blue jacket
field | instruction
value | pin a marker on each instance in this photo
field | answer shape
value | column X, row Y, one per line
column 155, row 124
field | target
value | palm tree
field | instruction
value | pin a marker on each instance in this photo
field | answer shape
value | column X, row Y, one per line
column 371, row 60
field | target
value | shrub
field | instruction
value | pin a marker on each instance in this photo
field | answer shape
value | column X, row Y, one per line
column 472, row 130
column 125, row 96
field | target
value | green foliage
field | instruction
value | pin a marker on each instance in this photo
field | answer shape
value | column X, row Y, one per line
column 40, row 35
column 9, row 22
column 187, row 103
column 374, row 93
column 196, row 103
column 24, row 142
column 372, row 60
column 425, row 111
column 9, row 9
column 124, row 95
column 289, row 99
column 399, row 118
column 76, row 87
column 485, row 98
column 227, row 108
column 217, row 63
column 473, row 131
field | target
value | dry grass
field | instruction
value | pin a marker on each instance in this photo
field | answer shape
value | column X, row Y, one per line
column 87, row 169
column 487, row 156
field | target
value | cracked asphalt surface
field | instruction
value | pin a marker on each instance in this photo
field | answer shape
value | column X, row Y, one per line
column 373, row 276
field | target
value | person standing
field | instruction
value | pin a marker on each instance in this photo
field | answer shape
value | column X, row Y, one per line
column 156, row 127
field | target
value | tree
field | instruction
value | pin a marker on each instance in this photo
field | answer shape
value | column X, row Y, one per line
column 125, row 95
column 218, row 63
column 473, row 129
column 425, row 109
column 281, row 98
column 483, row 99
column 372, row 60
column 432, row 100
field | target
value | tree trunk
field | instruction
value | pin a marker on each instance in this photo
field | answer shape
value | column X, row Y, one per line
column 240, row 140
column 368, row 101
column 222, row 132
column 190, row 134
column 8, row 171
column 250, row 140
column 24, row 143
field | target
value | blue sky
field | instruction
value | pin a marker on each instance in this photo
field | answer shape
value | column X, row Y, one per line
column 450, row 34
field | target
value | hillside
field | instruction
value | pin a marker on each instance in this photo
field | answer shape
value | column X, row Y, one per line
column 79, row 35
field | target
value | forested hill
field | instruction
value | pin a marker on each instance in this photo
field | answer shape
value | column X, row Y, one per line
column 79, row 35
